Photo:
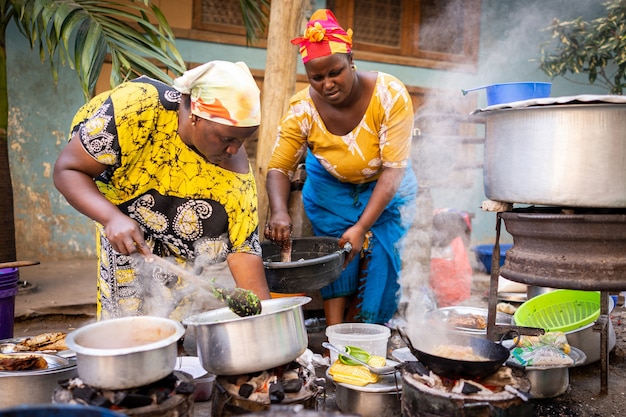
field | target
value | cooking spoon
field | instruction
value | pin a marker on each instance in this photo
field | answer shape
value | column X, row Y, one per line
column 242, row 302
column 390, row 369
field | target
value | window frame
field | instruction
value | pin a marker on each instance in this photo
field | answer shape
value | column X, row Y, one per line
column 467, row 61
column 409, row 53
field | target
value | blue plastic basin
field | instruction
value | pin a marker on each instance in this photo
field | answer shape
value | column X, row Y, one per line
column 509, row 92
column 485, row 252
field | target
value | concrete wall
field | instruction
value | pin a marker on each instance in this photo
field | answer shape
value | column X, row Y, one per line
column 40, row 114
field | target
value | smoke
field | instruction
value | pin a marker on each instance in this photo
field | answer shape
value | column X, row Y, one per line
column 447, row 152
column 168, row 294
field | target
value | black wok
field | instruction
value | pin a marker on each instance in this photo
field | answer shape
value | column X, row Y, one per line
column 495, row 353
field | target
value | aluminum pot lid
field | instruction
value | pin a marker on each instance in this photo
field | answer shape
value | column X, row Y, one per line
column 550, row 101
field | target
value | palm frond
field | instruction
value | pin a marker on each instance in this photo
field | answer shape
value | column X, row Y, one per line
column 134, row 32
column 255, row 15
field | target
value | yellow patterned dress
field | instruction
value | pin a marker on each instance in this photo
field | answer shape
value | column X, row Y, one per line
column 188, row 208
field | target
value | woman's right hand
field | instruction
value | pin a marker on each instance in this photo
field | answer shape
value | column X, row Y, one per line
column 125, row 235
column 278, row 228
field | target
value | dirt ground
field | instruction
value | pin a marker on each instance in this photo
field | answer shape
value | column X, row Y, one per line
column 51, row 307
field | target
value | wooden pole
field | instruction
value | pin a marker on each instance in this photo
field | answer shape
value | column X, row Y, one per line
column 278, row 86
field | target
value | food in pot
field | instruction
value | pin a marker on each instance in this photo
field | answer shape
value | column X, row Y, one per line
column 22, row 362
column 468, row 321
column 458, row 352
column 52, row 341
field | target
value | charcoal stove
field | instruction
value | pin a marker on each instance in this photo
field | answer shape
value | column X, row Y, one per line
column 171, row 396
column 432, row 396
column 289, row 385
column 565, row 158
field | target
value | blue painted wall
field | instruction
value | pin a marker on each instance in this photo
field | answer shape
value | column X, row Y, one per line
column 40, row 114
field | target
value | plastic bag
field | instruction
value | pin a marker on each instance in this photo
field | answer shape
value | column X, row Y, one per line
column 451, row 274
column 549, row 349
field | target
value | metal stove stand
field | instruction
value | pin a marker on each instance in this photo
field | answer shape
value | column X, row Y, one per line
column 497, row 331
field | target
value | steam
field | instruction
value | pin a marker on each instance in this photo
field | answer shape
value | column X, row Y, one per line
column 164, row 294
column 447, row 152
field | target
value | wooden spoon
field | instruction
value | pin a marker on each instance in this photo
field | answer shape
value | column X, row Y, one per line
column 17, row 264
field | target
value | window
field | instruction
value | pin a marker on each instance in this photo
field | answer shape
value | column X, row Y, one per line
column 426, row 33
column 441, row 34
column 220, row 21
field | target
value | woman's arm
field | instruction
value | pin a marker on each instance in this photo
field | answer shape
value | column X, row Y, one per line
column 383, row 192
column 279, row 225
column 248, row 272
column 73, row 176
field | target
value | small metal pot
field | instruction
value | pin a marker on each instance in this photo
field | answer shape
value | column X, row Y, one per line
column 126, row 352
column 351, row 399
column 548, row 382
column 231, row 345
column 35, row 387
column 373, row 400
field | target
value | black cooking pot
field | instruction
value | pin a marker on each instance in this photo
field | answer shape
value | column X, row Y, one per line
column 496, row 355
column 316, row 262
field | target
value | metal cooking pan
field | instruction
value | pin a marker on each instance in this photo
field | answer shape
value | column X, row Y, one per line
column 495, row 353
column 316, row 262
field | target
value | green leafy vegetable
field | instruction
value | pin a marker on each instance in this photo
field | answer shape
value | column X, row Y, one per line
column 355, row 352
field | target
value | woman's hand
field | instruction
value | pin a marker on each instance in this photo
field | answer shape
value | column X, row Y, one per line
column 125, row 235
column 278, row 228
column 356, row 236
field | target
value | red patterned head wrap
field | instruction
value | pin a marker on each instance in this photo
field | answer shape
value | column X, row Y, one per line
column 323, row 36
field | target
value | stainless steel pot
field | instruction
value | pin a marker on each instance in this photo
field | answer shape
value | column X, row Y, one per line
column 564, row 152
column 35, row 387
column 126, row 352
column 548, row 382
column 351, row 399
column 373, row 400
column 231, row 345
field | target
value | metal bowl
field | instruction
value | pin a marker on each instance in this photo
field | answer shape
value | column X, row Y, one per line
column 316, row 262
column 36, row 386
column 231, row 345
column 444, row 314
column 126, row 352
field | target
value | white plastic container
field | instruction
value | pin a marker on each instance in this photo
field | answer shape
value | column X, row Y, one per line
column 371, row 337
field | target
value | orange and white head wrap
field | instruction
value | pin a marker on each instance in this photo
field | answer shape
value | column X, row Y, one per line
column 323, row 36
column 223, row 92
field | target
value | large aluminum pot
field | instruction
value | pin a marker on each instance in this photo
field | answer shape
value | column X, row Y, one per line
column 126, row 352
column 37, row 386
column 231, row 345
column 564, row 152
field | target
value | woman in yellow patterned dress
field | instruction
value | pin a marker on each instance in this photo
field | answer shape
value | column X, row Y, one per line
column 354, row 128
column 163, row 170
